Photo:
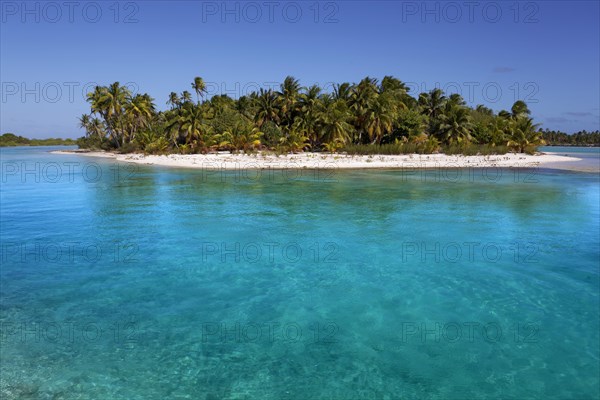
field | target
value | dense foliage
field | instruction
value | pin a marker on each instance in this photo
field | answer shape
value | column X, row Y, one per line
column 10, row 140
column 359, row 118
column 581, row 138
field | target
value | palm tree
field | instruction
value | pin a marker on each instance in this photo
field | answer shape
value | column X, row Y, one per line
column 484, row 110
column 199, row 87
column 520, row 109
column 456, row 125
column 432, row 103
column 398, row 92
column 186, row 96
column 391, row 84
column 96, row 128
column 309, row 98
column 109, row 103
column 483, row 125
column 333, row 123
column 293, row 140
column 380, row 116
column 139, row 112
column 244, row 106
column 362, row 96
column 342, row 91
column 456, row 99
column 290, row 89
column 309, row 103
column 505, row 114
column 84, row 122
column 267, row 107
column 116, row 97
column 192, row 123
column 499, row 132
column 99, row 105
column 524, row 135
column 174, row 100
column 241, row 136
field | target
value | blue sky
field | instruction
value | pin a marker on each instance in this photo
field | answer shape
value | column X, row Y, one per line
column 544, row 52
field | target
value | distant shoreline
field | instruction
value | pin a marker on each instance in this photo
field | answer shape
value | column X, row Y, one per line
column 37, row 145
column 571, row 145
column 12, row 140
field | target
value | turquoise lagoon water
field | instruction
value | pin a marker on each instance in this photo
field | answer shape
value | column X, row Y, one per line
column 589, row 157
column 130, row 282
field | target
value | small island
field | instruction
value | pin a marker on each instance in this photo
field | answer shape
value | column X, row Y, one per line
column 368, row 117
column 369, row 124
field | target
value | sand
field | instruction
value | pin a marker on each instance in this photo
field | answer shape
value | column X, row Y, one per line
column 227, row 161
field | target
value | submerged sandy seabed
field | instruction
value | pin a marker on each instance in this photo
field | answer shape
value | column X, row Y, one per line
column 331, row 161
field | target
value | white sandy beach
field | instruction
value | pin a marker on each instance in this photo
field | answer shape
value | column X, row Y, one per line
column 227, row 161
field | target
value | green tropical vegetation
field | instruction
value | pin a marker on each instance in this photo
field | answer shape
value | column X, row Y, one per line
column 367, row 117
column 12, row 140
column 581, row 138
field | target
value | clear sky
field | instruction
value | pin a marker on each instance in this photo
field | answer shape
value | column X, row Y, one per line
column 492, row 52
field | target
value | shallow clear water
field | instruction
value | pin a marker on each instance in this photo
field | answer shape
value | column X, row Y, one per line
column 588, row 157
column 153, row 283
